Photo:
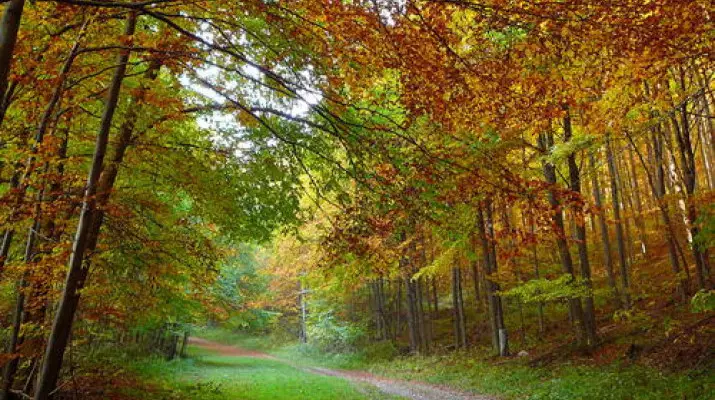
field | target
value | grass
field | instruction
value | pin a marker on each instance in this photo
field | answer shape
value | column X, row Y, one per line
column 296, row 353
column 208, row 376
column 512, row 379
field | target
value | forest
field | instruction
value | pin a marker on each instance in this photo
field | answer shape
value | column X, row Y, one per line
column 357, row 199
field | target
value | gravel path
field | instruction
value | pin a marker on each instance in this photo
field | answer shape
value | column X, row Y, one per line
column 407, row 389
column 394, row 387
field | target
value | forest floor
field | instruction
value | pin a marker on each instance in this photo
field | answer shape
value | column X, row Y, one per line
column 370, row 385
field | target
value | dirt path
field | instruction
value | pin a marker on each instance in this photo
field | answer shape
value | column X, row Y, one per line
column 407, row 389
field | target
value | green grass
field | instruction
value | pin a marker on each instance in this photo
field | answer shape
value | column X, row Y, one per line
column 296, row 353
column 207, row 376
column 512, row 379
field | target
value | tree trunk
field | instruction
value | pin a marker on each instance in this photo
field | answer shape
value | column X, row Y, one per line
column 184, row 343
column 458, row 310
column 605, row 239
column 687, row 158
column 656, row 181
column 537, row 275
column 398, row 310
column 435, row 298
column 303, row 335
column 638, row 212
column 475, row 283
column 615, row 201
column 412, row 316
column 16, row 339
column 575, row 308
column 589, row 313
column 381, row 308
column 425, row 334
column 485, row 232
column 77, row 274
column 9, row 26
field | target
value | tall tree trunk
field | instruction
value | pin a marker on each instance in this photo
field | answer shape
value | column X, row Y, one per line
column 705, row 147
column 8, row 233
column 398, row 310
column 184, row 343
column 458, row 319
column 475, row 282
column 303, row 334
column 77, row 274
column 575, row 308
column 412, row 316
column 381, row 308
column 425, row 333
column 615, row 201
column 435, row 298
column 658, row 188
column 656, row 181
column 9, row 26
column 638, row 212
column 16, row 339
column 589, row 313
column 537, row 275
column 687, row 158
column 605, row 239
column 626, row 205
column 485, row 232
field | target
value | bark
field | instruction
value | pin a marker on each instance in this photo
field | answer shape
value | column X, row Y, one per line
column 656, row 181
column 8, row 233
column 615, row 201
column 458, row 318
column 475, row 283
column 303, row 335
column 575, row 308
column 589, row 313
column 398, row 310
column 485, row 233
column 626, row 206
column 411, row 316
column 537, row 275
column 9, row 26
column 435, row 298
column 605, row 238
column 381, row 308
column 184, row 343
column 638, row 212
column 705, row 147
column 77, row 274
column 688, row 166
column 378, row 309
column 16, row 339
column 421, row 319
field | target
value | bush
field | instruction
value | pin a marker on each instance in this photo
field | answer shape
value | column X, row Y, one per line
column 379, row 351
column 333, row 335
column 703, row 301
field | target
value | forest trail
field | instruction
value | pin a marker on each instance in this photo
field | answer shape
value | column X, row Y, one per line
column 391, row 388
